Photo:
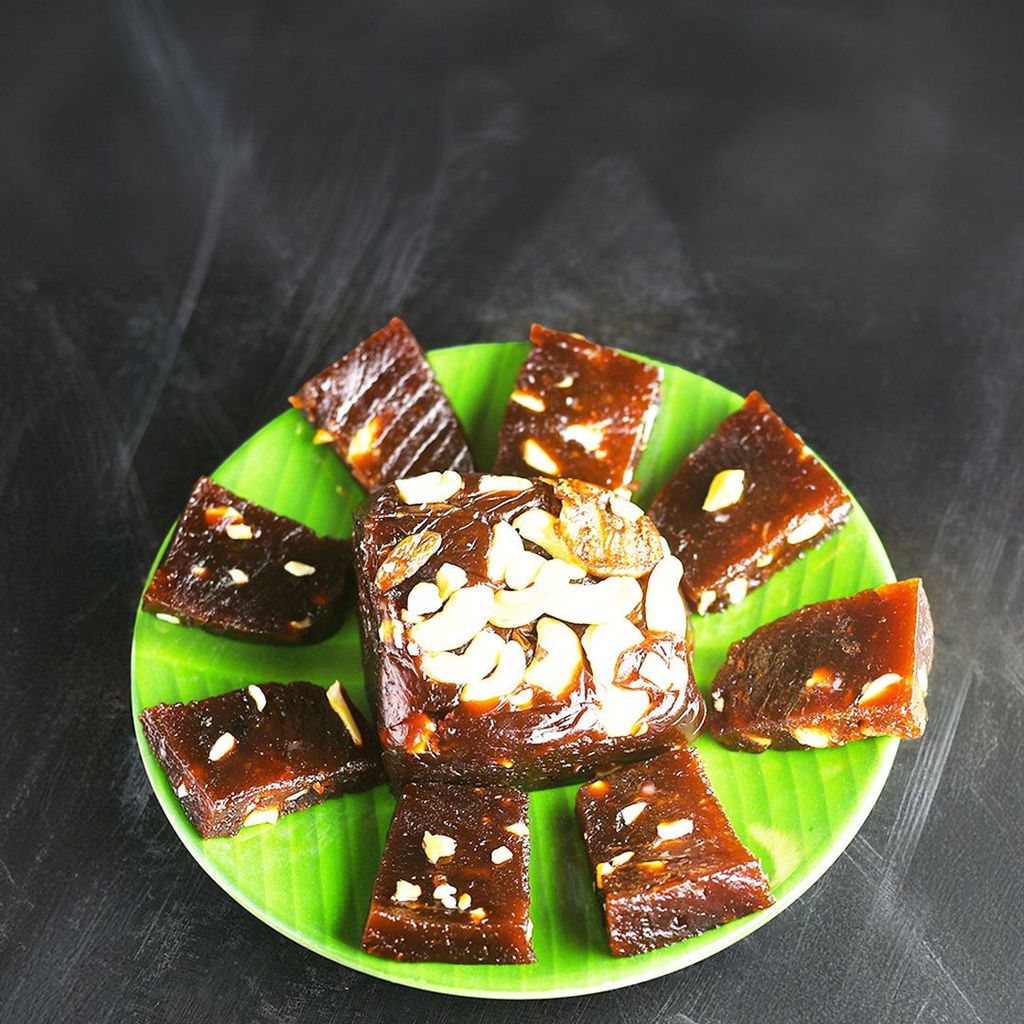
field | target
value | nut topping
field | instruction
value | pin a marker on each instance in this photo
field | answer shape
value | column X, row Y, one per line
column 518, row 828
column 406, row 558
column 538, row 526
column 522, row 568
column 406, row 892
column 587, row 435
column 557, row 659
column 605, row 644
column 166, row 617
column 336, row 699
column 464, row 615
column 528, row 401
column 424, row 599
column 505, row 545
column 259, row 698
column 503, row 680
column 261, row 816
column 621, row 710
column 810, row 737
column 436, row 847
column 323, row 437
column 668, row 830
column 538, row 458
column 707, row 599
column 622, row 858
column 450, row 578
column 603, row 541
column 238, row 577
column 364, row 440
column 430, row 487
column 464, row 901
column 299, row 568
column 490, row 483
column 664, row 608
column 182, row 790
column 873, row 690
column 224, row 745
column 478, row 660
column 736, row 590
column 726, row 489
column 446, row 894
column 810, row 527
column 239, row 531
column 501, row 855
column 631, row 812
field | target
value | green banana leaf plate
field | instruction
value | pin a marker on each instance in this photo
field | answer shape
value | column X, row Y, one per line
column 310, row 875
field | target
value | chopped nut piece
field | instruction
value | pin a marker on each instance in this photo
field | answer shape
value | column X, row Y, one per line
column 200, row 571
column 810, row 527
column 537, row 458
column 239, row 531
column 165, row 617
column 406, row 892
column 424, row 599
column 632, row 811
column 565, row 382
column 490, row 483
column 299, row 568
column 764, row 560
column 664, row 607
column 718, row 701
column 364, row 440
column 726, row 489
column 450, row 578
column 812, row 737
column 557, row 659
column 261, row 816
column 239, row 577
column 182, row 790
column 587, row 435
column 336, row 698
column 528, row 401
column 323, row 437
column 429, row 488
column 476, row 662
column 874, row 689
column 446, row 894
column 464, row 615
column 478, row 914
column 736, row 590
column 538, row 527
column 518, row 828
column 224, row 745
column 674, row 829
column 621, row 858
column 298, row 793
column 435, row 847
column 258, row 697
column 301, row 623
column 501, row 855
column 707, row 599
column 406, row 558
column 505, row 545
column 465, row 901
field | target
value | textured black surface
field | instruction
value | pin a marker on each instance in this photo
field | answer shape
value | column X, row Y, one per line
column 199, row 208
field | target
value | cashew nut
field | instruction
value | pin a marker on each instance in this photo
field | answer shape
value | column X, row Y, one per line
column 538, row 526
column 424, row 599
column 605, row 644
column 450, row 578
column 512, row 608
column 664, row 609
column 505, row 545
column 511, row 484
column 503, row 680
column 464, row 614
column 522, row 568
column 477, row 661
column 619, row 710
column 419, row 490
column 557, row 660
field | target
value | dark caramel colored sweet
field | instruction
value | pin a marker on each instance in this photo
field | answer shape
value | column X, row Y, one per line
column 239, row 569
column 829, row 673
column 381, row 409
column 249, row 756
column 666, row 861
column 578, row 410
column 454, row 882
column 519, row 631
column 746, row 503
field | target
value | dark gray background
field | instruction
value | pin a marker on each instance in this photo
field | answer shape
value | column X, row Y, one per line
column 199, row 207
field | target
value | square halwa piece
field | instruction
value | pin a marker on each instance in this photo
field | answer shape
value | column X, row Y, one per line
column 381, row 409
column 667, row 863
column 252, row 755
column 454, row 881
column 578, row 410
column 829, row 673
column 519, row 631
column 239, row 569
column 745, row 504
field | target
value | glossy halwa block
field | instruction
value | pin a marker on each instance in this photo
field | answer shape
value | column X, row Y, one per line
column 249, row 756
column 578, row 410
column 236, row 568
column 829, row 673
column 667, row 863
column 454, row 881
column 381, row 409
column 745, row 504
column 519, row 631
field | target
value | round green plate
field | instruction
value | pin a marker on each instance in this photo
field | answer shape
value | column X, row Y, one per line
column 310, row 876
